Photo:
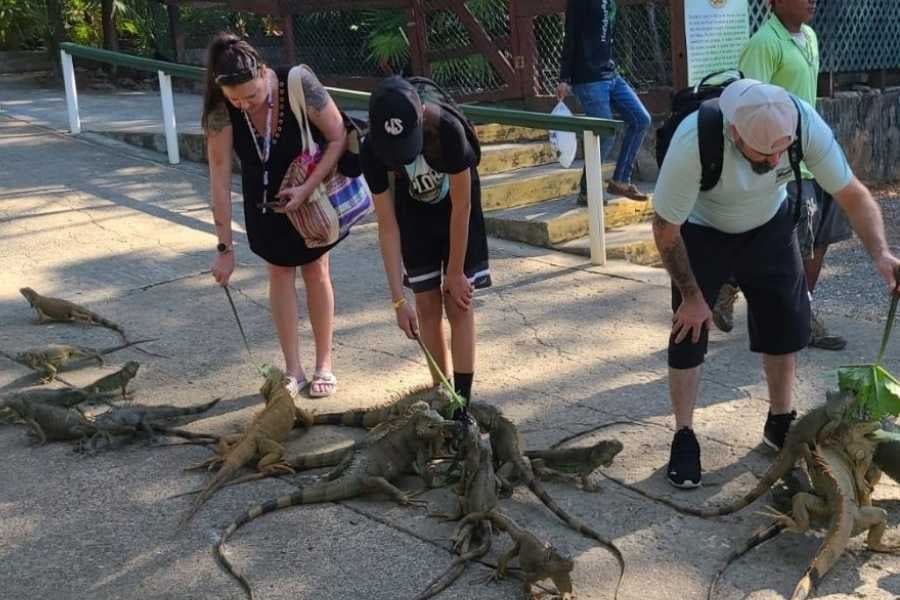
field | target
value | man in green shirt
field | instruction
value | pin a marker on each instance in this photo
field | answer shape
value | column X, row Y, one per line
column 785, row 52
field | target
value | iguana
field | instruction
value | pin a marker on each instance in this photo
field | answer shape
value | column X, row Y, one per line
column 263, row 440
column 138, row 418
column 49, row 359
column 114, row 382
column 56, row 309
column 477, row 493
column 538, row 560
column 436, row 397
column 574, row 464
column 53, row 423
column 833, row 467
column 61, row 397
column 512, row 465
column 389, row 451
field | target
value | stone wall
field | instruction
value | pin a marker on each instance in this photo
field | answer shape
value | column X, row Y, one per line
column 866, row 124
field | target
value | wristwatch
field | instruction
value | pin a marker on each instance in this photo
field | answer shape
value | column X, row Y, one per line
column 223, row 248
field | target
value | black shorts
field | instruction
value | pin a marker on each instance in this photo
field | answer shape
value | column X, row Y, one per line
column 425, row 241
column 823, row 222
column 766, row 264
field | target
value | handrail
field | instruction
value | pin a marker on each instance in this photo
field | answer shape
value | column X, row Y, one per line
column 360, row 100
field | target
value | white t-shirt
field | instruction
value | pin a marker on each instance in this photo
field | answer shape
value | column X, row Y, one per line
column 742, row 200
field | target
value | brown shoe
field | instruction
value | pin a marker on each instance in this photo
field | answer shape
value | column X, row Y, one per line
column 821, row 338
column 629, row 190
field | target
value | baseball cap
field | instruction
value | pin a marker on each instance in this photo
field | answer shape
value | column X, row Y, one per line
column 763, row 114
column 395, row 122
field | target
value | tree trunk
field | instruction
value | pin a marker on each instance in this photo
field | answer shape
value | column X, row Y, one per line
column 55, row 31
column 110, row 38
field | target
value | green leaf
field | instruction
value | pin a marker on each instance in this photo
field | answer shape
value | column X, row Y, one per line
column 877, row 391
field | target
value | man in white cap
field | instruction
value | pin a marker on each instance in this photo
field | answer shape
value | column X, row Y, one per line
column 745, row 227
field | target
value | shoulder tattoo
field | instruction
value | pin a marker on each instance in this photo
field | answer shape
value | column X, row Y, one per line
column 316, row 95
column 218, row 118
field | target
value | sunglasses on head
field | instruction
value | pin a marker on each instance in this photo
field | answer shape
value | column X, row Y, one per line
column 236, row 78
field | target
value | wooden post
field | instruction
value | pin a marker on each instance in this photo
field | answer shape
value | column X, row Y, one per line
column 176, row 32
column 679, row 44
column 826, row 84
column 418, row 38
column 288, row 46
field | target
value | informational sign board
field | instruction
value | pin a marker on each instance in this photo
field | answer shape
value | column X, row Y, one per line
column 716, row 32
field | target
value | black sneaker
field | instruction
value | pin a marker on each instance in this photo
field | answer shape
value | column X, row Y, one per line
column 776, row 429
column 684, row 460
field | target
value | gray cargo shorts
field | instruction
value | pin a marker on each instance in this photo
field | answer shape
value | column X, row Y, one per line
column 822, row 220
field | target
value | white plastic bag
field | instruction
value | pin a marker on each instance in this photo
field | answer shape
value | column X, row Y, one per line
column 565, row 143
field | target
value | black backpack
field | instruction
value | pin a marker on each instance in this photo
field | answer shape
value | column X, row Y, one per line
column 704, row 99
column 429, row 91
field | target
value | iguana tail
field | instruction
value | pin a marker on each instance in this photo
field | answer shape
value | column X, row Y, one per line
column 126, row 344
column 353, row 418
column 836, row 539
column 172, row 412
column 763, row 535
column 456, row 568
column 317, row 460
column 236, row 458
column 324, row 492
column 580, row 526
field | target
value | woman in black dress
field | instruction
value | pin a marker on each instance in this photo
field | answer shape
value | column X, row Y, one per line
column 246, row 109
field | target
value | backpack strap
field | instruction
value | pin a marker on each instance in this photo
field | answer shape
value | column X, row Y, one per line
column 711, row 140
column 795, row 155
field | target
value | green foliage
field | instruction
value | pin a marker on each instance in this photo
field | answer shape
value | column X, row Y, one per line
column 877, row 391
column 387, row 41
column 23, row 24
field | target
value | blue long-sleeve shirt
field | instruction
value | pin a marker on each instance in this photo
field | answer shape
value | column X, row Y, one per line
column 587, row 48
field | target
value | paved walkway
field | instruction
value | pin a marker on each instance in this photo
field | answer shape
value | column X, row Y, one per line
column 564, row 348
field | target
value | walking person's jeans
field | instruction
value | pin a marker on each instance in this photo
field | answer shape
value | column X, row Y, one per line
column 598, row 99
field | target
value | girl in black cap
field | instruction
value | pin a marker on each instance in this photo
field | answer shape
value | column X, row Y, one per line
column 246, row 109
column 420, row 162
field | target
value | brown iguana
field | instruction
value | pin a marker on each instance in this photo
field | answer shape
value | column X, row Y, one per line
column 263, row 440
column 389, row 451
column 477, row 493
column 513, row 466
column 56, row 309
column 574, row 464
column 49, row 359
column 538, row 560
column 833, row 466
column 114, row 382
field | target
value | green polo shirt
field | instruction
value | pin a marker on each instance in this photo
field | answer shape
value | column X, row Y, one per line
column 773, row 55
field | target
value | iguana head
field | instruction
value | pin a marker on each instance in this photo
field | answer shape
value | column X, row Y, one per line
column 603, row 452
column 558, row 566
column 131, row 367
column 429, row 424
column 838, row 404
column 273, row 377
column 29, row 294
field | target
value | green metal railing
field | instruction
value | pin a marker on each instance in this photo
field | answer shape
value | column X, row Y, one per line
column 360, row 100
column 590, row 128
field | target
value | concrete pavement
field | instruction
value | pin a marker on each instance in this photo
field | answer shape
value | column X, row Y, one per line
column 564, row 348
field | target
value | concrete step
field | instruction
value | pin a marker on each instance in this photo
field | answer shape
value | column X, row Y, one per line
column 498, row 158
column 495, row 133
column 633, row 243
column 532, row 185
column 549, row 224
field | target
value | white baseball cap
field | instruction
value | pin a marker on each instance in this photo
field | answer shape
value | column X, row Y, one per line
column 763, row 114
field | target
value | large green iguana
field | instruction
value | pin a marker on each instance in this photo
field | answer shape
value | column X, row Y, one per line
column 436, row 397
column 574, row 465
column 389, row 451
column 48, row 360
column 115, row 382
column 477, row 493
column 837, row 467
column 512, row 465
column 56, row 309
column 538, row 560
column 263, row 440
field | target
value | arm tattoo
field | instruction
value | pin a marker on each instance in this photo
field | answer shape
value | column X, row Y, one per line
column 675, row 258
column 316, row 95
column 218, row 118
